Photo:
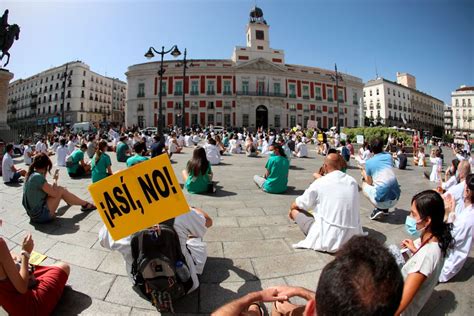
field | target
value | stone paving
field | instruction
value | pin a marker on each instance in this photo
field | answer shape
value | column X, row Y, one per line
column 249, row 245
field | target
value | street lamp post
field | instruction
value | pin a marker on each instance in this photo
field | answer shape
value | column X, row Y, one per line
column 65, row 77
column 183, row 120
column 336, row 78
column 175, row 53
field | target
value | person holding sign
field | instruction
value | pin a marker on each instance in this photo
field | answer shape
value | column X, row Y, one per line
column 198, row 173
column 41, row 199
column 101, row 163
column 140, row 149
column 29, row 292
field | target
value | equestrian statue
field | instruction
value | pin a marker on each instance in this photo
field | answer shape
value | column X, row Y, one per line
column 8, row 34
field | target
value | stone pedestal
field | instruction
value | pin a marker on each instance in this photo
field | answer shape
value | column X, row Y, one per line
column 5, row 77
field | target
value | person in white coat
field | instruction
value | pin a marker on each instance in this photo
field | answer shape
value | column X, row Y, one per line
column 334, row 202
column 463, row 234
column 212, row 152
column 194, row 223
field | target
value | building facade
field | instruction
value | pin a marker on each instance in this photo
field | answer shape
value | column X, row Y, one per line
column 462, row 101
column 254, row 88
column 448, row 119
column 36, row 103
column 401, row 104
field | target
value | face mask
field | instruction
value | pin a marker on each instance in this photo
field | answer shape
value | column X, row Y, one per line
column 410, row 226
column 271, row 152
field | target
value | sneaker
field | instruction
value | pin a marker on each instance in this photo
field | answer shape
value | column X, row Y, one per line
column 376, row 213
column 385, row 212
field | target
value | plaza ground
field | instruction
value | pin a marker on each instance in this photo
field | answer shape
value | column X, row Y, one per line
column 249, row 246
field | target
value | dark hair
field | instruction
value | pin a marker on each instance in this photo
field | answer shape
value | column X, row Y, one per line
column 199, row 163
column 211, row 141
column 455, row 163
column 62, row 142
column 102, row 147
column 139, row 147
column 123, row 138
column 470, row 186
column 343, row 142
column 332, row 151
column 376, row 146
column 40, row 161
column 363, row 279
column 430, row 203
column 83, row 146
column 9, row 147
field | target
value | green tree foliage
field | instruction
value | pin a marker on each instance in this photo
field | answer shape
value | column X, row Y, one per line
column 371, row 133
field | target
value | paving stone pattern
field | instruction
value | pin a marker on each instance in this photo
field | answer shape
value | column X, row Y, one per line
column 249, row 246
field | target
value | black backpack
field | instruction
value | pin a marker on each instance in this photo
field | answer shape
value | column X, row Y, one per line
column 155, row 254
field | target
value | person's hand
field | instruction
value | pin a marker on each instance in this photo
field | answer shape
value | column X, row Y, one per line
column 449, row 203
column 408, row 243
column 271, row 295
column 28, row 244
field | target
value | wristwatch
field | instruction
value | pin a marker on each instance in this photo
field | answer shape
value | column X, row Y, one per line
column 25, row 253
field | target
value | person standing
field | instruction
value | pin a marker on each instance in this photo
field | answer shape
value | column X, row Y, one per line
column 380, row 185
column 277, row 169
column 61, row 153
column 101, row 163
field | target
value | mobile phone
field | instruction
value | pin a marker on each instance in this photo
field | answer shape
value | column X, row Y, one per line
column 56, row 174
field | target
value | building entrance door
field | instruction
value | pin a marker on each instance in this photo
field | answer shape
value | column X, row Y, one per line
column 261, row 116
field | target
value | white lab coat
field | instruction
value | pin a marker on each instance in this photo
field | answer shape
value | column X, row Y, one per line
column 334, row 200
column 463, row 228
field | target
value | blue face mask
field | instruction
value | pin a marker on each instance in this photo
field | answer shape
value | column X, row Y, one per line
column 410, row 226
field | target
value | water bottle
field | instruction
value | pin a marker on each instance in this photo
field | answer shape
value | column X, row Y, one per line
column 182, row 271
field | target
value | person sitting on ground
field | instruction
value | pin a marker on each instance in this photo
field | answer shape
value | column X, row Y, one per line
column 463, row 232
column 400, row 159
column 422, row 270
column 364, row 154
column 350, row 147
column 28, row 152
column 71, row 144
column 10, row 173
column 41, row 146
column 101, row 163
column 285, row 148
column 78, row 168
column 250, row 148
column 362, row 260
column 450, row 176
column 25, row 292
column 380, row 184
column 301, row 151
column 54, row 146
column 419, row 159
column 275, row 179
column 41, row 199
column 457, row 190
column 122, row 149
column 196, row 139
column 212, row 151
column 460, row 155
column 219, row 145
column 234, row 145
column 198, row 173
column 140, row 149
column 91, row 146
column 333, row 200
column 190, row 228
column 345, row 152
column 61, row 153
column 173, row 145
column 158, row 147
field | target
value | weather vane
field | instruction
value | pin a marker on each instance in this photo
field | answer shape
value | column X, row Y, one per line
column 8, row 34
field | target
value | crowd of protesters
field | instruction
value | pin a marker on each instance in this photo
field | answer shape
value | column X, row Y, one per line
column 441, row 221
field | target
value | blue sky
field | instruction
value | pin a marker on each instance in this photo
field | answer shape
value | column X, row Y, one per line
column 431, row 39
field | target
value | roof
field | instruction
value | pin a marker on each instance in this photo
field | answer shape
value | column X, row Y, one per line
column 465, row 89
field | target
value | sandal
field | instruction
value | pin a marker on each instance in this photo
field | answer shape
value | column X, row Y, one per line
column 88, row 207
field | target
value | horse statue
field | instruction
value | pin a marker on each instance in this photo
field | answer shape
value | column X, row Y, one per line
column 12, row 34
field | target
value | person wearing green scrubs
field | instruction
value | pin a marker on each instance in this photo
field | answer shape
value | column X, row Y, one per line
column 276, row 177
column 140, row 149
column 198, row 173
column 101, row 163
column 122, row 150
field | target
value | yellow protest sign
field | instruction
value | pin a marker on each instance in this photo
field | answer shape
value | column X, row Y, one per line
column 139, row 197
column 36, row 258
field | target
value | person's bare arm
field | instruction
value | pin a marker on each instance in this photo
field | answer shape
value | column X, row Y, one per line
column 412, row 283
column 240, row 305
column 367, row 179
column 51, row 190
column 206, row 216
column 19, row 279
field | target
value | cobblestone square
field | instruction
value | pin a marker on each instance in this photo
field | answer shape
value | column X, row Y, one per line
column 249, row 246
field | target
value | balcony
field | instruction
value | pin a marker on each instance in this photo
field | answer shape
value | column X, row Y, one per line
column 318, row 98
column 178, row 93
column 292, row 109
column 211, row 92
column 140, row 109
column 306, row 97
column 293, row 96
column 33, row 105
column 261, row 94
column 139, row 95
column 227, row 107
column 355, row 103
column 390, row 105
column 227, row 92
column 194, row 92
column 340, row 100
column 318, row 110
column 330, row 100
column 177, row 107
column 305, row 110
column 163, row 94
column 330, row 111
column 194, row 107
